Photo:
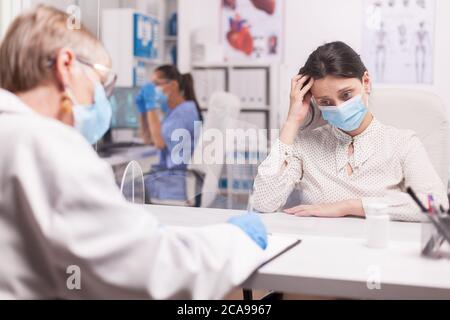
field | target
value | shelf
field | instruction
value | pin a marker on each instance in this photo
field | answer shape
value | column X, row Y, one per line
column 246, row 110
column 149, row 61
column 225, row 192
column 230, row 65
column 170, row 38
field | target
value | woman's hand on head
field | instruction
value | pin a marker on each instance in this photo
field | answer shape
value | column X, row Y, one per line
column 300, row 99
column 299, row 107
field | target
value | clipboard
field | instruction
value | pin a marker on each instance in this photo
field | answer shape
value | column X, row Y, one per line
column 284, row 244
column 279, row 254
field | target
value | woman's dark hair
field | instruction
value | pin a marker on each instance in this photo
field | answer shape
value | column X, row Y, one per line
column 185, row 83
column 333, row 59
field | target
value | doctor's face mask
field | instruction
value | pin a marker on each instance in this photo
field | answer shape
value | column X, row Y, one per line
column 92, row 120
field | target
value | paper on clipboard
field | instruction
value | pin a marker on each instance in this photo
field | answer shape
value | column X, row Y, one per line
column 279, row 244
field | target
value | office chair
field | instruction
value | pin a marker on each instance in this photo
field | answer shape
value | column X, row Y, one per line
column 202, row 179
column 193, row 180
column 223, row 113
column 421, row 111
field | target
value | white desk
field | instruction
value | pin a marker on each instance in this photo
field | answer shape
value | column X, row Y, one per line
column 333, row 260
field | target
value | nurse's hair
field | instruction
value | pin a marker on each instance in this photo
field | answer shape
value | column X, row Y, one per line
column 32, row 42
column 333, row 59
column 185, row 83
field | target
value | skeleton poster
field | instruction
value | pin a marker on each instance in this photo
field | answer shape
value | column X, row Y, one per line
column 398, row 40
column 252, row 30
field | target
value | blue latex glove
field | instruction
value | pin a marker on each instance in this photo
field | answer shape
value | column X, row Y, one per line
column 253, row 226
column 146, row 99
column 140, row 104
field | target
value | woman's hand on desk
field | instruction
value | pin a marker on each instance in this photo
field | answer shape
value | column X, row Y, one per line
column 329, row 210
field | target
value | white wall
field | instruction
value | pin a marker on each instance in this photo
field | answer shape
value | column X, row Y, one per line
column 195, row 14
column 8, row 9
column 4, row 16
column 310, row 23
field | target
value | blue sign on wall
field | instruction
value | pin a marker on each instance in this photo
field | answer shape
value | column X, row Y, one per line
column 143, row 36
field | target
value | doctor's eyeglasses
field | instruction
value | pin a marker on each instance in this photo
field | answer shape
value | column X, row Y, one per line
column 109, row 77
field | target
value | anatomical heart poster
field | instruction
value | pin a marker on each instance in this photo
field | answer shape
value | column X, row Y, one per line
column 398, row 40
column 252, row 30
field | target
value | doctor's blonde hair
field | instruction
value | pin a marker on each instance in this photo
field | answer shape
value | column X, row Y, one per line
column 32, row 42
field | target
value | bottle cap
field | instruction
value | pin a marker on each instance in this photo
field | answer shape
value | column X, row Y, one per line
column 377, row 209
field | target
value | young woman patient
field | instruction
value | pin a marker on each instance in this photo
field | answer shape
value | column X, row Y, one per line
column 341, row 168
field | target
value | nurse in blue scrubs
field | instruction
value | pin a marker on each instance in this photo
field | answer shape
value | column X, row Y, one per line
column 171, row 94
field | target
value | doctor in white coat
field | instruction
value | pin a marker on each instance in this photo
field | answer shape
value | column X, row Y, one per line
column 61, row 214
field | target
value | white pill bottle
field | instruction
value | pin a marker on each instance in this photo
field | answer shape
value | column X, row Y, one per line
column 377, row 225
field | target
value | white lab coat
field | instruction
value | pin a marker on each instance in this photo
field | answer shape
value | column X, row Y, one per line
column 60, row 207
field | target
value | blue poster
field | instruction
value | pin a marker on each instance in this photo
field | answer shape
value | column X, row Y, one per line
column 143, row 36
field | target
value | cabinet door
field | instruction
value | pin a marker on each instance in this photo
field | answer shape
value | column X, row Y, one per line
column 251, row 85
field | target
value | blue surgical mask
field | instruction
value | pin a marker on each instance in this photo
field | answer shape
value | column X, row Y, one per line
column 94, row 120
column 348, row 116
column 162, row 100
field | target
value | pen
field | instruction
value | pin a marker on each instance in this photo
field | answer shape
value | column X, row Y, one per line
column 416, row 200
column 430, row 204
column 444, row 213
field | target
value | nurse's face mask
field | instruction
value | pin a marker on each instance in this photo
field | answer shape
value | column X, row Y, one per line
column 93, row 120
column 162, row 94
column 343, row 102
